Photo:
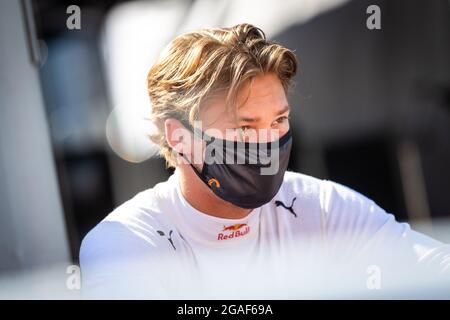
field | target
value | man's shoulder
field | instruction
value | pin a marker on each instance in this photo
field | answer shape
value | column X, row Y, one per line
column 144, row 210
column 126, row 247
column 300, row 183
column 329, row 194
column 136, row 222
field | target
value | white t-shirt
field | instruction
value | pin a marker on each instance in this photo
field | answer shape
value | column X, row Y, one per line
column 315, row 236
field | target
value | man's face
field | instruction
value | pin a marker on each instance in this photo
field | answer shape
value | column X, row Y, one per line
column 262, row 116
column 262, row 105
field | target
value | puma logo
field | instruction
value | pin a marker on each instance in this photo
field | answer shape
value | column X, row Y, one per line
column 290, row 209
column 162, row 234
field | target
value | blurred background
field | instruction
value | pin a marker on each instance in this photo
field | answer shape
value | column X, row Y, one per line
column 371, row 109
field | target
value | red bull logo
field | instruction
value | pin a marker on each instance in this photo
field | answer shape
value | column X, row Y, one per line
column 237, row 230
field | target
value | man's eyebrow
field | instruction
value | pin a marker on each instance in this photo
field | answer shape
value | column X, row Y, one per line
column 285, row 109
column 256, row 119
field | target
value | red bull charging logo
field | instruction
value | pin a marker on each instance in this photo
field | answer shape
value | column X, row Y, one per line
column 233, row 231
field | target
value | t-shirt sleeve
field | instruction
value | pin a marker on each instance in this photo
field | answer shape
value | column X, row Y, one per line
column 117, row 263
column 356, row 227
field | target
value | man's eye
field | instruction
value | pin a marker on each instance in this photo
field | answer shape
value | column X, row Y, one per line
column 244, row 128
column 282, row 119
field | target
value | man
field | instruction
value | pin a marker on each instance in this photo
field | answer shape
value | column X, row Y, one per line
column 231, row 218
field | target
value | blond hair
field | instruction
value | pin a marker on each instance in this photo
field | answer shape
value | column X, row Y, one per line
column 197, row 65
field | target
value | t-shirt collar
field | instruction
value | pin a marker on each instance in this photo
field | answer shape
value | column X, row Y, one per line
column 209, row 229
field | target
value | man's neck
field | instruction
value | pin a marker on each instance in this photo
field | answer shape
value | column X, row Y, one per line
column 199, row 196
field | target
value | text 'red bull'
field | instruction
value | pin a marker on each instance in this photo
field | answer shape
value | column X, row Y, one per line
column 237, row 230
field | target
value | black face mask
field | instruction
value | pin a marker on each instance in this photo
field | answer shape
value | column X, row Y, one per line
column 246, row 174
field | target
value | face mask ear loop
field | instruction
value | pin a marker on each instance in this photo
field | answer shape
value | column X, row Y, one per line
column 199, row 174
column 200, row 135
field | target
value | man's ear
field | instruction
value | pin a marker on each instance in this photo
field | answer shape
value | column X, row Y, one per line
column 177, row 136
